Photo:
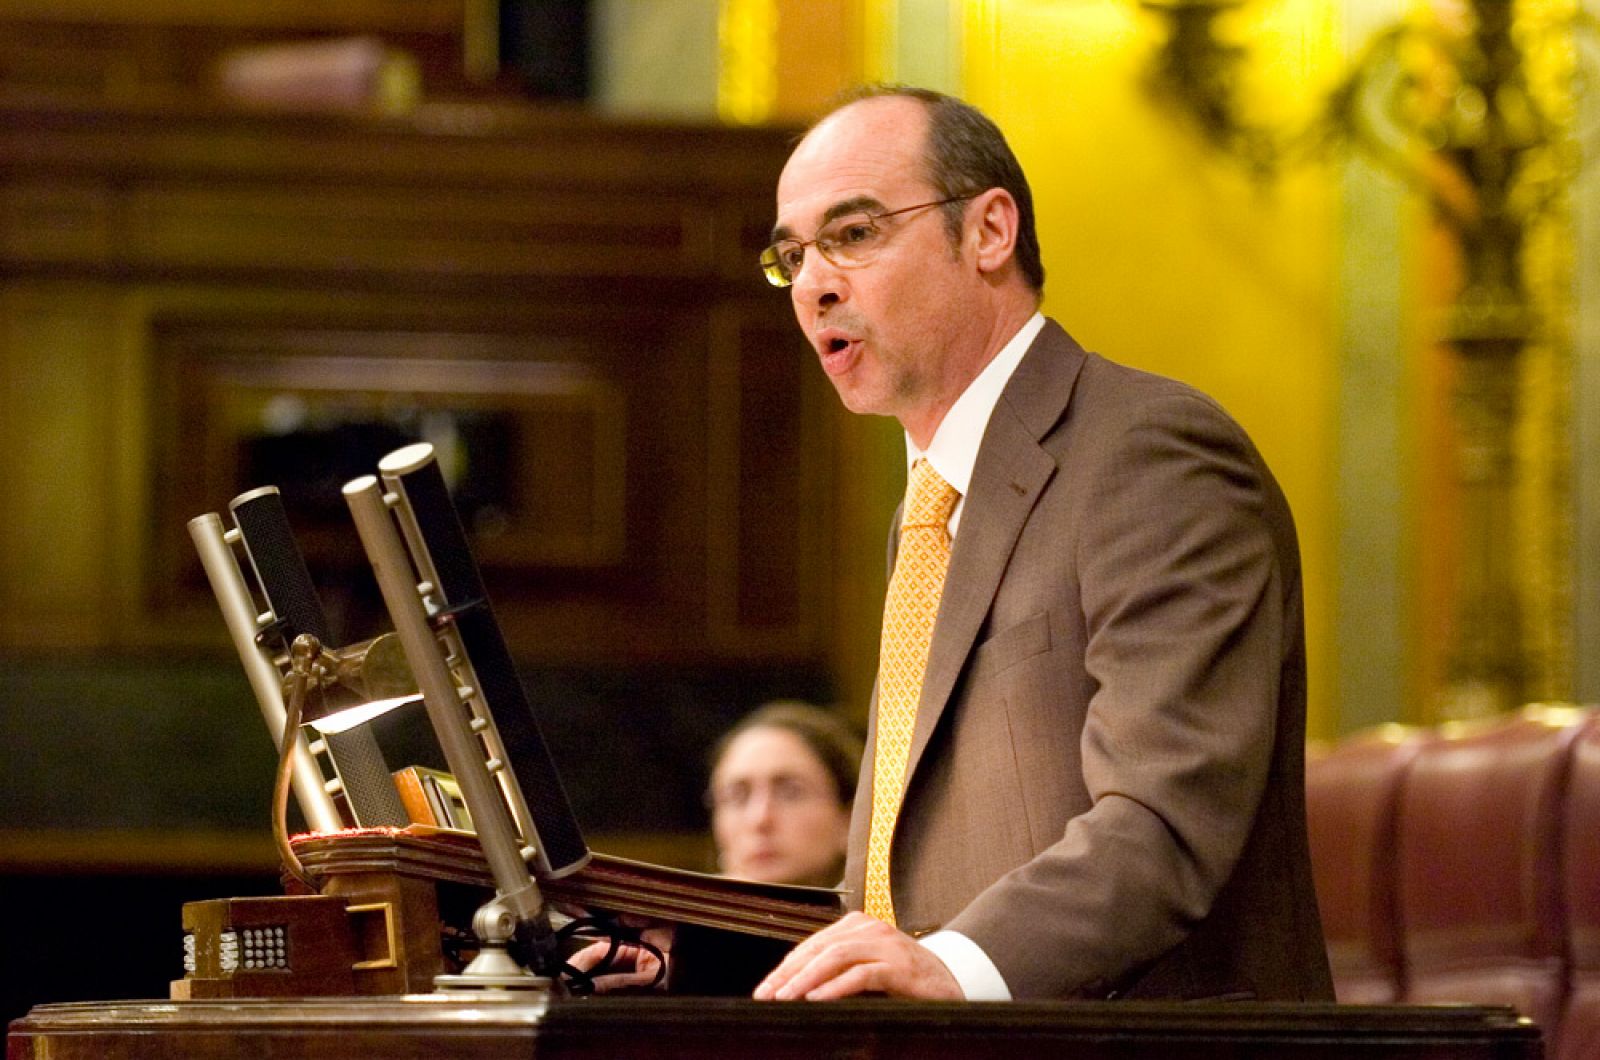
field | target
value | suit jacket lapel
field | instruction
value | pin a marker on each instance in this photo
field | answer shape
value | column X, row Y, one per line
column 1010, row 473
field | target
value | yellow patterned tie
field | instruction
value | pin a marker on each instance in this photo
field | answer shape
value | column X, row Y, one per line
column 908, row 615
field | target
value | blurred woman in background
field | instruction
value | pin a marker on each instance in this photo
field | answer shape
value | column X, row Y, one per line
column 782, row 782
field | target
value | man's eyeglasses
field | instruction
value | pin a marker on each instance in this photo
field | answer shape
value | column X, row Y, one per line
column 847, row 242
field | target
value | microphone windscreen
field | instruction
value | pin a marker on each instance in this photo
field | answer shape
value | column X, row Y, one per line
column 280, row 568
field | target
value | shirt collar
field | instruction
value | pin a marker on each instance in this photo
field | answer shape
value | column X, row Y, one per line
column 954, row 449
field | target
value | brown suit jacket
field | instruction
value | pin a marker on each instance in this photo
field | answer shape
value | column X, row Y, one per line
column 1106, row 782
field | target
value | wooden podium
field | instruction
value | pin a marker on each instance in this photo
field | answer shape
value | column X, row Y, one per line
column 435, row 1028
column 411, row 878
column 394, row 889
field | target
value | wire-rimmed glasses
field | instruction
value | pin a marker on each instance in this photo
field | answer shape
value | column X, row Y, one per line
column 848, row 242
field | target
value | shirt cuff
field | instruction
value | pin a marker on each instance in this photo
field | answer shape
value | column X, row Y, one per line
column 974, row 972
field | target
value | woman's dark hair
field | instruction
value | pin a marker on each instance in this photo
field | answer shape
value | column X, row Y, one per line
column 828, row 736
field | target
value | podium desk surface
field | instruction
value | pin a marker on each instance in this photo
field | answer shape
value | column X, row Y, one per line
column 436, row 1028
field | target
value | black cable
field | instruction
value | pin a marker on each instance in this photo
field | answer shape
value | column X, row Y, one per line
column 602, row 928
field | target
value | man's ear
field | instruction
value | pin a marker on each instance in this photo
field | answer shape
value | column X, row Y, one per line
column 992, row 229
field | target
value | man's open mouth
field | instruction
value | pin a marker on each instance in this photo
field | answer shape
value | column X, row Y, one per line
column 838, row 352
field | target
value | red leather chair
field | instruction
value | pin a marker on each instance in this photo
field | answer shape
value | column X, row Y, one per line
column 1479, row 864
column 1580, row 877
column 1352, row 804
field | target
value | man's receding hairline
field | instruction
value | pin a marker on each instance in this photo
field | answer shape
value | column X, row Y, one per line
column 924, row 107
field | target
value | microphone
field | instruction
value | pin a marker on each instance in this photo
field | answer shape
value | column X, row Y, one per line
column 470, row 685
column 266, row 680
column 439, row 546
column 354, row 756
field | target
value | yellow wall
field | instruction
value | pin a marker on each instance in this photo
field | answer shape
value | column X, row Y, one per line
column 1163, row 256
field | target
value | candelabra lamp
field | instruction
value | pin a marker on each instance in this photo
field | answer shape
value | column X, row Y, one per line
column 1446, row 105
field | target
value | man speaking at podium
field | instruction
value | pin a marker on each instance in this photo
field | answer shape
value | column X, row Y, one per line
column 1084, row 775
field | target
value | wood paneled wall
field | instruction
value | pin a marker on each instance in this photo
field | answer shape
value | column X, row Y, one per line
column 115, row 51
column 166, row 275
